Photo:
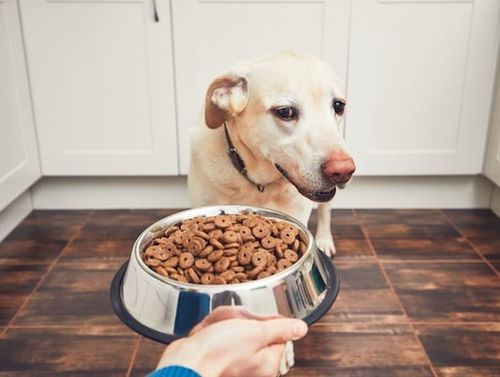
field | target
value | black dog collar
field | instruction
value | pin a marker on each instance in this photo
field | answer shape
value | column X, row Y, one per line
column 237, row 161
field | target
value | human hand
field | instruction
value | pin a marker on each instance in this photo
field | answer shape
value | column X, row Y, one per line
column 234, row 342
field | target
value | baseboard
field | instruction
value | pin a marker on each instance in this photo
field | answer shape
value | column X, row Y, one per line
column 171, row 192
column 14, row 213
column 495, row 200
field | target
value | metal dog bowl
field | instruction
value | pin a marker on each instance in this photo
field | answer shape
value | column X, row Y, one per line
column 164, row 309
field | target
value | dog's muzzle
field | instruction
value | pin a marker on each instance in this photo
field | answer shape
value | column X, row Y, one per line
column 317, row 196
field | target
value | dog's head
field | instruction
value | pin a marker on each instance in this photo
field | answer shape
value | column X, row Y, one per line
column 288, row 110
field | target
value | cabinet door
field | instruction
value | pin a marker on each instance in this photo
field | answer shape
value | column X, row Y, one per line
column 211, row 36
column 102, row 80
column 492, row 157
column 18, row 152
column 420, row 80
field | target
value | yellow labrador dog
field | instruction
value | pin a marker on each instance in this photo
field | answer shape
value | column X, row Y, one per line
column 270, row 137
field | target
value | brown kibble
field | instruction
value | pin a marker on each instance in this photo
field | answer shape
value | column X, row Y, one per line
column 214, row 256
column 207, row 278
column 227, row 275
column 261, row 231
column 152, row 262
column 218, row 280
column 206, row 251
column 230, row 236
column 283, row 264
column 268, row 242
column 222, row 264
column 171, row 262
column 224, row 249
column 244, row 256
column 229, row 252
column 222, row 221
column 186, row 260
column 216, row 243
column 291, row 255
column 201, row 234
column 161, row 271
column 259, row 258
column 263, row 274
column 202, row 264
column 193, row 276
column 215, row 234
column 179, row 278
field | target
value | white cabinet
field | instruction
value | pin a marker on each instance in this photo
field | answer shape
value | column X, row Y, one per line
column 102, row 83
column 492, row 157
column 420, row 78
column 18, row 151
column 211, row 36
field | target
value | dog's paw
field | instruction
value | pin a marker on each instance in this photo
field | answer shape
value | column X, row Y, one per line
column 287, row 360
column 326, row 244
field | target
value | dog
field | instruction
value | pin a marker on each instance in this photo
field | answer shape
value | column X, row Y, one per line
column 270, row 136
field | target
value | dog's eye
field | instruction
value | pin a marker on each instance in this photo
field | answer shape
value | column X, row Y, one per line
column 338, row 107
column 286, row 113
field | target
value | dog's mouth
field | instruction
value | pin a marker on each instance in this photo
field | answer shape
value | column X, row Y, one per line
column 317, row 196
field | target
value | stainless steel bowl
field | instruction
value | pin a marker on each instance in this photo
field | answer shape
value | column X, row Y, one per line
column 164, row 309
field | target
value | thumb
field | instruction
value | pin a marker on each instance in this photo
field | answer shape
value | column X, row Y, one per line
column 281, row 330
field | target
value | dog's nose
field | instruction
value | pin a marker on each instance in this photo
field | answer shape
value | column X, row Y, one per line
column 338, row 168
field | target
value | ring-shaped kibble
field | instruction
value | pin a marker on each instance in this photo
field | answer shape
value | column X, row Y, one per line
column 268, row 242
column 202, row 264
column 161, row 254
column 271, row 260
column 179, row 237
column 222, row 265
column 150, row 251
column 152, row 262
column 283, row 264
column 230, row 236
column 287, row 236
column 170, row 248
column 171, row 262
column 193, row 276
column 215, row 255
column 222, row 221
column 161, row 270
column 260, row 231
column 259, row 258
column 255, row 271
column 244, row 256
column 218, row 280
column 228, row 275
column 206, row 251
column 250, row 222
column 215, row 234
column 291, row 255
column 186, row 260
column 245, row 232
column 207, row 278
column 216, row 243
column 263, row 274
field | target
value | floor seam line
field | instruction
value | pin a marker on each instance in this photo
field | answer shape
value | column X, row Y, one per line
column 45, row 275
column 391, row 287
column 471, row 244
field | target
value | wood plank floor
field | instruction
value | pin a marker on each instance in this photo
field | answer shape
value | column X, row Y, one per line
column 420, row 296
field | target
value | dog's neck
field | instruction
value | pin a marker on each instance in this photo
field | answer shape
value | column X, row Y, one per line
column 244, row 160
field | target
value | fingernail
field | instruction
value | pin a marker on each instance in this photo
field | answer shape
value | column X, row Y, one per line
column 299, row 329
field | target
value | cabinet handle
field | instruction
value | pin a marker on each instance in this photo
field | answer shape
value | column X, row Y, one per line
column 155, row 12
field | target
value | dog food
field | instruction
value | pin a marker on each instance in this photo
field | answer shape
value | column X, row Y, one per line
column 225, row 249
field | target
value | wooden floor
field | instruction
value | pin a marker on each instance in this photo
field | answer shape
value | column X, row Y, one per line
column 420, row 296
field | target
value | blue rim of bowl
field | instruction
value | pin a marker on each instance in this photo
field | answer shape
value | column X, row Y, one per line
column 332, row 290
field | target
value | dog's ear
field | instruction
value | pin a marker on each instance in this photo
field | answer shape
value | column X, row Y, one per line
column 226, row 96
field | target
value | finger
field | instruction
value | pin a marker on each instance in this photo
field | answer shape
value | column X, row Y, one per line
column 230, row 312
column 281, row 330
column 269, row 360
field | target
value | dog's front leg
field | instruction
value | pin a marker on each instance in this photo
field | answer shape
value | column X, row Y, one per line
column 324, row 238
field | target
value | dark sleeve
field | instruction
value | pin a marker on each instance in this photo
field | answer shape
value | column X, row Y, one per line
column 174, row 371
